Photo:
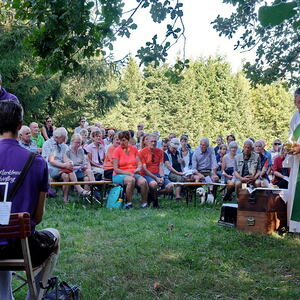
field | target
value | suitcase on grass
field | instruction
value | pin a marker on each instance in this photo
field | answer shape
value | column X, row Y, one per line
column 260, row 200
column 261, row 211
column 260, row 222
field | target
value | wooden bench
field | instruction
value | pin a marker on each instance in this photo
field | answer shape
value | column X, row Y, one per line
column 92, row 185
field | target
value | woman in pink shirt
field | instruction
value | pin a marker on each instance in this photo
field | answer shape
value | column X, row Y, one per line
column 96, row 154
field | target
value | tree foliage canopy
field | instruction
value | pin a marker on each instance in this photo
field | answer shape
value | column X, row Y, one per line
column 273, row 30
column 64, row 31
column 208, row 101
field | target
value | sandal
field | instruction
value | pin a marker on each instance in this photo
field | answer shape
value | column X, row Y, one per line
column 85, row 193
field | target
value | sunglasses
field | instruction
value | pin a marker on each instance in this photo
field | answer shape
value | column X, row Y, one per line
column 277, row 144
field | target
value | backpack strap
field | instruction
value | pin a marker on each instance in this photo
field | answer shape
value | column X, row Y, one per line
column 20, row 178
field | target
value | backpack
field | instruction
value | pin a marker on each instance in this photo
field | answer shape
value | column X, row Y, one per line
column 115, row 198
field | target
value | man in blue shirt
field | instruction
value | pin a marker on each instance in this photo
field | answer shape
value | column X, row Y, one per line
column 204, row 162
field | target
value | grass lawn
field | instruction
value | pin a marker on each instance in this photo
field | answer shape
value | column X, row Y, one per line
column 176, row 252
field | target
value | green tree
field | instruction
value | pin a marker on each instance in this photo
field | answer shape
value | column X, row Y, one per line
column 272, row 109
column 89, row 92
column 208, row 101
column 273, row 30
column 37, row 92
column 129, row 110
column 65, row 31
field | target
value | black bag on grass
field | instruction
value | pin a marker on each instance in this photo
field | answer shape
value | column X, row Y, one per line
column 61, row 291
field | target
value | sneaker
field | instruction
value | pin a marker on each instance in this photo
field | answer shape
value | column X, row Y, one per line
column 128, row 205
column 144, row 205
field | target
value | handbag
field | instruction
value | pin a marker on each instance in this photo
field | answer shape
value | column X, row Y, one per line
column 61, row 291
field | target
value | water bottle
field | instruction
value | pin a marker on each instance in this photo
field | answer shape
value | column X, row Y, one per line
column 222, row 179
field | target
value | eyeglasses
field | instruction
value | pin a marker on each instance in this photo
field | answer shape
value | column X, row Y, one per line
column 277, row 144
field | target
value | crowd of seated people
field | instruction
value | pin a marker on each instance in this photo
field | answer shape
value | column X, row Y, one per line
column 145, row 161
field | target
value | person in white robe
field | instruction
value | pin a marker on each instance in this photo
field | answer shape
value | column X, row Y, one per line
column 292, row 195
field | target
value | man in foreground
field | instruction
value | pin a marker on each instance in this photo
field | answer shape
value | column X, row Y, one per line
column 30, row 197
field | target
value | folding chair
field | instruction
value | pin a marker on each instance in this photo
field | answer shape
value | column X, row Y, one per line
column 19, row 227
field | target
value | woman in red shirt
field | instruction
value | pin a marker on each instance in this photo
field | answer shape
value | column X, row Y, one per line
column 108, row 163
column 127, row 167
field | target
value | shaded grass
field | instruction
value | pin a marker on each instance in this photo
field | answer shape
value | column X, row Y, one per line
column 176, row 252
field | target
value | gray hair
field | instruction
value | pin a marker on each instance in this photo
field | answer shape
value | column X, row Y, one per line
column 259, row 142
column 76, row 136
column 60, row 131
column 83, row 131
column 32, row 123
column 23, row 128
column 233, row 144
column 206, row 140
column 153, row 135
column 248, row 141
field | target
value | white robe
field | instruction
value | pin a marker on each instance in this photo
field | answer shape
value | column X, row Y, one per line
column 292, row 161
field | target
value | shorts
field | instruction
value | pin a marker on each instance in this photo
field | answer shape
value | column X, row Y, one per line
column 176, row 178
column 54, row 172
column 150, row 179
column 41, row 245
column 205, row 172
column 79, row 174
column 119, row 178
column 108, row 174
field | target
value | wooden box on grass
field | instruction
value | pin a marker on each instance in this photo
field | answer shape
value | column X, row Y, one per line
column 260, row 200
column 261, row 211
column 261, row 222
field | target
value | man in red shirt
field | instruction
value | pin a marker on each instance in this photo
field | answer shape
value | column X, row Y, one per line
column 152, row 159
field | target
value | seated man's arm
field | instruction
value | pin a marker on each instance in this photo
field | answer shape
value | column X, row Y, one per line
column 58, row 164
column 147, row 172
column 214, row 166
column 194, row 162
column 161, row 169
column 171, row 169
column 238, row 176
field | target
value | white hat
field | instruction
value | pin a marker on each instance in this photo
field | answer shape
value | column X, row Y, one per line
column 175, row 143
